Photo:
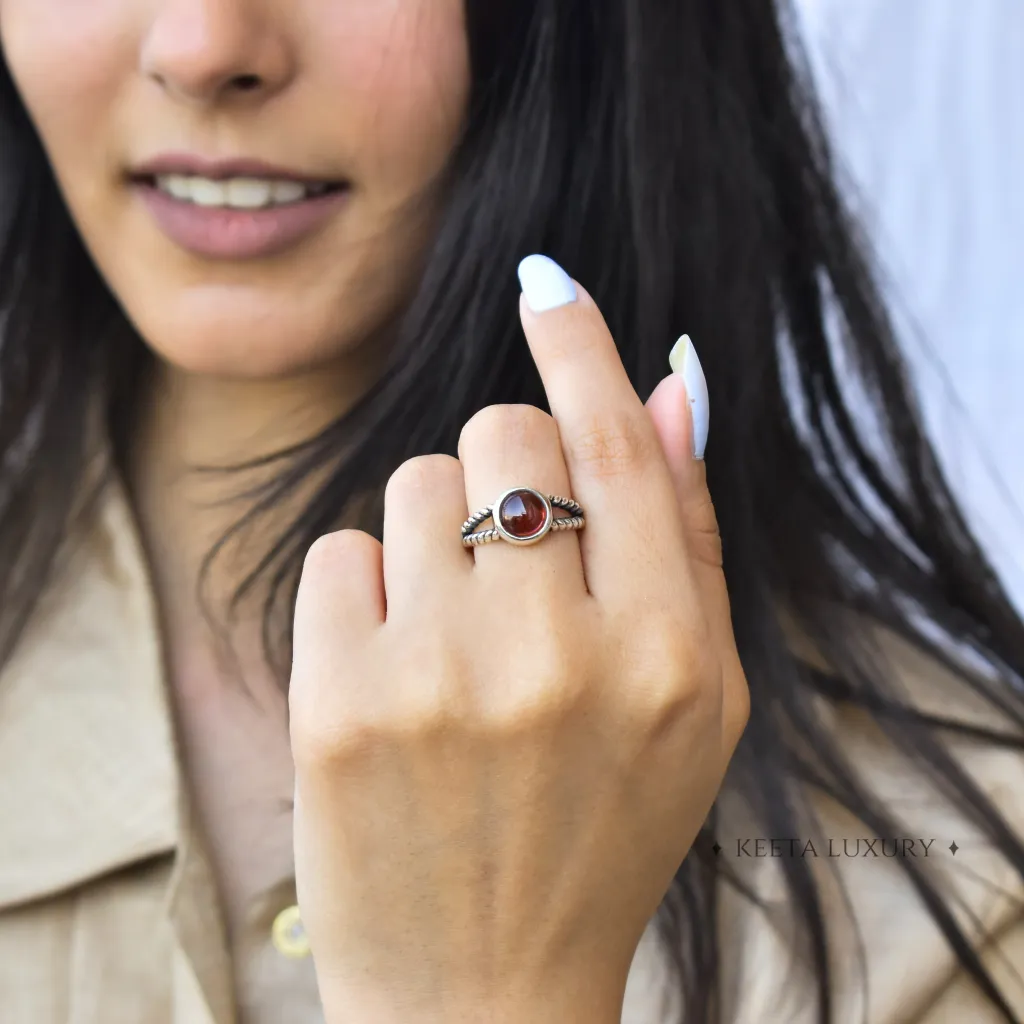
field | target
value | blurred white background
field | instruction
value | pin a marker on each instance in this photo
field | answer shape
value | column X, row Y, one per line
column 925, row 100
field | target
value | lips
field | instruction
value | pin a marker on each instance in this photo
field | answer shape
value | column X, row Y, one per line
column 235, row 209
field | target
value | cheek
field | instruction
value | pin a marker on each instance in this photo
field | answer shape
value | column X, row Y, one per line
column 68, row 60
column 403, row 68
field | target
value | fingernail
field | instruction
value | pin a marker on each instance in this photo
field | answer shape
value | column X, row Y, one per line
column 683, row 360
column 545, row 284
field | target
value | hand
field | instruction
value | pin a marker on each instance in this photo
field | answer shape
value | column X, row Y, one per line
column 503, row 754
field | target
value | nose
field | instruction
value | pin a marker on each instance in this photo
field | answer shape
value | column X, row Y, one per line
column 206, row 51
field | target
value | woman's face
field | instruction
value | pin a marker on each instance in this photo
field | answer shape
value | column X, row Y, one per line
column 194, row 139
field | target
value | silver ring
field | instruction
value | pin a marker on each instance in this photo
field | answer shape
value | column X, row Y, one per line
column 522, row 516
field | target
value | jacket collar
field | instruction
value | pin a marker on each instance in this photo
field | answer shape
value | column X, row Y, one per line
column 87, row 745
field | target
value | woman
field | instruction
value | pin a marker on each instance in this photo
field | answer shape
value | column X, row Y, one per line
column 260, row 358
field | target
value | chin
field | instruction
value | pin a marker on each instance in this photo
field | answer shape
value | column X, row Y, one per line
column 243, row 347
column 251, row 334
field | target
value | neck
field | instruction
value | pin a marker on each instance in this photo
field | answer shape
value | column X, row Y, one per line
column 193, row 421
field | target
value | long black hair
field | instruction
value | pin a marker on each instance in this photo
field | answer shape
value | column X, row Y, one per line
column 670, row 155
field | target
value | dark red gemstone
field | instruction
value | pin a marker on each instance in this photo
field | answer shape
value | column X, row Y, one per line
column 523, row 514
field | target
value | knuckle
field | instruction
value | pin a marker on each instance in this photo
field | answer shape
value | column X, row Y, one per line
column 662, row 705
column 327, row 717
column 677, row 703
column 414, row 720
column 664, row 638
column 533, row 709
column 439, row 674
column 705, row 537
column 610, row 447
column 546, row 692
column 672, row 674
column 509, row 427
column 322, row 741
column 422, row 473
column 345, row 719
column 737, row 707
column 332, row 550
column 319, row 743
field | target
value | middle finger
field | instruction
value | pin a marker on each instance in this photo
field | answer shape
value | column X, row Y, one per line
column 632, row 548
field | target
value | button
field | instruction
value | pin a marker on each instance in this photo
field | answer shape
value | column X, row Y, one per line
column 289, row 934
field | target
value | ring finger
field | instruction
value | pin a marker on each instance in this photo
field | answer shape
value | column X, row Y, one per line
column 506, row 446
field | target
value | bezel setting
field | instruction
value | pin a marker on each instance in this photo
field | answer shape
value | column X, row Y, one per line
column 532, row 538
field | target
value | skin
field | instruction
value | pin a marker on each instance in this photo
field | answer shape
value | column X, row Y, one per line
column 621, row 667
column 548, row 769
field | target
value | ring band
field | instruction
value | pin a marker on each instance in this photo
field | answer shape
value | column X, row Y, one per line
column 522, row 516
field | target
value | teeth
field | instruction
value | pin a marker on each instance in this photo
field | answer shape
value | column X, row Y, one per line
column 288, row 191
column 236, row 193
column 177, row 185
column 208, row 193
column 249, row 194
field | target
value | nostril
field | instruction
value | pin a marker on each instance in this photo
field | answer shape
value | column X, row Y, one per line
column 246, row 83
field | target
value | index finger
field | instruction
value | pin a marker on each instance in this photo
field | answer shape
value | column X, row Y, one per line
column 616, row 465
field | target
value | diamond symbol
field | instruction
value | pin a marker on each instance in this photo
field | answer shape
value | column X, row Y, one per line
column 953, row 848
column 717, row 849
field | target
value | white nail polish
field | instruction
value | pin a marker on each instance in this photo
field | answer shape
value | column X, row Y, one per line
column 545, row 284
column 683, row 360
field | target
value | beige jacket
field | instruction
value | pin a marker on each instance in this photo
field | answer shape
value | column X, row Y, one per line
column 109, row 913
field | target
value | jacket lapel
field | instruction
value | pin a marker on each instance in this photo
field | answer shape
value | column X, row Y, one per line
column 89, row 763
column 87, row 750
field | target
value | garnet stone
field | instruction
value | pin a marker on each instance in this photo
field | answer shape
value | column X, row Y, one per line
column 523, row 514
